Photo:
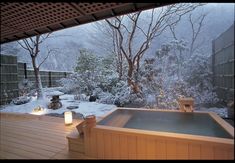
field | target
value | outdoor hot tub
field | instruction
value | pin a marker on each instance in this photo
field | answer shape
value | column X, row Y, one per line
column 155, row 134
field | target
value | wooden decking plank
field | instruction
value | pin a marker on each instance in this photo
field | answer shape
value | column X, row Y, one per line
column 36, row 133
column 57, row 123
column 60, row 140
column 31, row 144
column 40, row 124
column 7, row 155
column 65, row 154
column 52, row 144
column 35, row 127
column 32, row 138
column 20, row 152
column 55, row 132
column 54, row 121
column 7, row 128
column 27, row 148
column 35, row 137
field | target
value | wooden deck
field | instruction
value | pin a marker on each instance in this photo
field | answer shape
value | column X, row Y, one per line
column 24, row 136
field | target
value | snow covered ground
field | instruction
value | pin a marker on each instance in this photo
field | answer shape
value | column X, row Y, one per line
column 84, row 107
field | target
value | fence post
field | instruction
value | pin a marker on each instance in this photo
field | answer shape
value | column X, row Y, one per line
column 25, row 71
column 65, row 74
column 49, row 73
column 213, row 62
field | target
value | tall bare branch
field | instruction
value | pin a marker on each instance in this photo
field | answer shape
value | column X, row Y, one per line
column 32, row 46
column 167, row 17
column 49, row 51
column 195, row 30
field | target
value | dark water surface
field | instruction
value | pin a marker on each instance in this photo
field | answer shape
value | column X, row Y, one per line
column 176, row 122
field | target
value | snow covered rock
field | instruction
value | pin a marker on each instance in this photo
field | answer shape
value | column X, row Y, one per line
column 92, row 98
column 72, row 107
column 54, row 93
column 21, row 100
column 118, row 103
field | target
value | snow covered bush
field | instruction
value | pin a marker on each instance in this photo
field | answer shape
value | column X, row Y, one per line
column 70, row 84
column 94, row 75
column 81, row 97
column 199, row 78
column 173, row 73
column 87, row 70
column 171, row 93
column 122, row 93
column 106, row 98
column 24, row 87
column 118, row 95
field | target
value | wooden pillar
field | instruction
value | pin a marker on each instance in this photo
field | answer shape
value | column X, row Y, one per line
column 186, row 104
column 90, row 122
column 80, row 128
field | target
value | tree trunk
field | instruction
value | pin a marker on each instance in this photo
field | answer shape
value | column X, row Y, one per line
column 133, row 84
column 120, row 66
column 38, row 83
column 136, row 88
column 130, row 73
column 120, row 72
column 121, row 69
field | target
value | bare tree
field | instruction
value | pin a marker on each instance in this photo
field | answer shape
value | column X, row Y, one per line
column 118, row 52
column 127, row 28
column 32, row 45
column 108, row 40
column 196, row 26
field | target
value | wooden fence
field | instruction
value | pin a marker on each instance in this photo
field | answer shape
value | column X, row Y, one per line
column 12, row 72
column 223, row 64
column 9, row 78
column 49, row 78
